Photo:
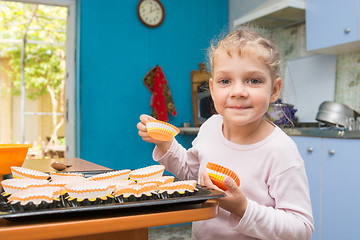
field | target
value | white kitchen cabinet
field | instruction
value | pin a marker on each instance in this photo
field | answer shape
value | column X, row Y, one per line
column 333, row 166
column 332, row 26
column 270, row 14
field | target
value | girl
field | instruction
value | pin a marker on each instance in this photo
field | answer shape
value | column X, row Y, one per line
column 273, row 200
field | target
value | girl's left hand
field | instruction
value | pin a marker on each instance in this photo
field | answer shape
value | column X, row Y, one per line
column 235, row 200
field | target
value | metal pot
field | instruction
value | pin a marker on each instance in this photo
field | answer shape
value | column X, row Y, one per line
column 335, row 113
column 282, row 113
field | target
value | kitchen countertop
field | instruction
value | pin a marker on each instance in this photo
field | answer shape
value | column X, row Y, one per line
column 299, row 131
column 322, row 132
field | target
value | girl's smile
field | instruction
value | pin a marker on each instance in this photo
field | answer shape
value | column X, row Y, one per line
column 240, row 108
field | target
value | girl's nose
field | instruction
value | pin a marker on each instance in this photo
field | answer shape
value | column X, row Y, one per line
column 238, row 90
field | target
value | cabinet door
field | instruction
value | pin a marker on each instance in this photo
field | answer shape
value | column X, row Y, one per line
column 310, row 150
column 341, row 192
column 327, row 22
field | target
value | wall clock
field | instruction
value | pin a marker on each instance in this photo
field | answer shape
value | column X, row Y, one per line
column 151, row 12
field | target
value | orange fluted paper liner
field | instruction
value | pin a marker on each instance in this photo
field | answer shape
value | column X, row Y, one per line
column 14, row 185
column 89, row 189
column 179, row 186
column 57, row 175
column 35, row 195
column 20, row 172
column 117, row 182
column 62, row 181
column 145, row 173
column 161, row 131
column 112, row 175
column 136, row 190
column 159, row 180
column 217, row 174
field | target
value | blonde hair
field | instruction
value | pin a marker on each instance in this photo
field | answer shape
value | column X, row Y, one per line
column 246, row 41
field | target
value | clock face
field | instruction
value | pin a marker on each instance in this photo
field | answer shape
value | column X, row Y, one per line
column 151, row 12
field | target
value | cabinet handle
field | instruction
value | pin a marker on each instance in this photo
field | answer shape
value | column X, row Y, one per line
column 310, row 149
column 331, row 152
column 346, row 30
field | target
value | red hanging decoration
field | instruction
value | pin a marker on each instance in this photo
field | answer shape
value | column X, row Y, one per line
column 161, row 100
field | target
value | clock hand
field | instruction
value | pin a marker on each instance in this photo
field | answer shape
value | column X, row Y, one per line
column 155, row 9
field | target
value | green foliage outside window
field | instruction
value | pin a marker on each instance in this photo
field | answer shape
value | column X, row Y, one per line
column 44, row 29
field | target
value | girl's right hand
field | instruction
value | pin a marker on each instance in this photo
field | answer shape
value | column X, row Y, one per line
column 143, row 131
column 163, row 146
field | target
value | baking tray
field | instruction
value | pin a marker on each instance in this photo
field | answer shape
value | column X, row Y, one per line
column 200, row 196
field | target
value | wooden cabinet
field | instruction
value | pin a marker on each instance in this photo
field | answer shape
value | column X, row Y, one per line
column 333, row 166
column 332, row 26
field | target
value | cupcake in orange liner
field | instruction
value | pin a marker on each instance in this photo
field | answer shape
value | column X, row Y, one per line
column 20, row 172
column 153, row 171
column 160, row 130
column 159, row 180
column 57, row 175
column 136, row 192
column 217, row 173
column 34, row 199
column 114, row 175
column 85, row 193
column 177, row 189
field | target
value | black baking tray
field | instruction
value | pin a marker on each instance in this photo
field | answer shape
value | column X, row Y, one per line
column 203, row 194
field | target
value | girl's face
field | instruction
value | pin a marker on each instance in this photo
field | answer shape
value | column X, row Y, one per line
column 242, row 88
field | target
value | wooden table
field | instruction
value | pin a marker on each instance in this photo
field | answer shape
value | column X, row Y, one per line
column 77, row 164
column 119, row 225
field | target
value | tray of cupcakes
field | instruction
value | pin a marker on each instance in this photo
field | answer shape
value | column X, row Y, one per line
column 30, row 193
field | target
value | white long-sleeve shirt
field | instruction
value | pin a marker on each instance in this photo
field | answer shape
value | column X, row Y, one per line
column 272, row 176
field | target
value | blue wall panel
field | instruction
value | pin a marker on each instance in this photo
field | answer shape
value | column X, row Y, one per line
column 116, row 51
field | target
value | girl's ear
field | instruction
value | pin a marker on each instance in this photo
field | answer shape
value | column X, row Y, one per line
column 276, row 90
column 211, row 85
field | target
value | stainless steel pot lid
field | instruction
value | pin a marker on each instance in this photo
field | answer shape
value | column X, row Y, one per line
column 335, row 113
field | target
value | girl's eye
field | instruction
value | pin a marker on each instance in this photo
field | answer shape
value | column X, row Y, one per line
column 224, row 81
column 253, row 81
